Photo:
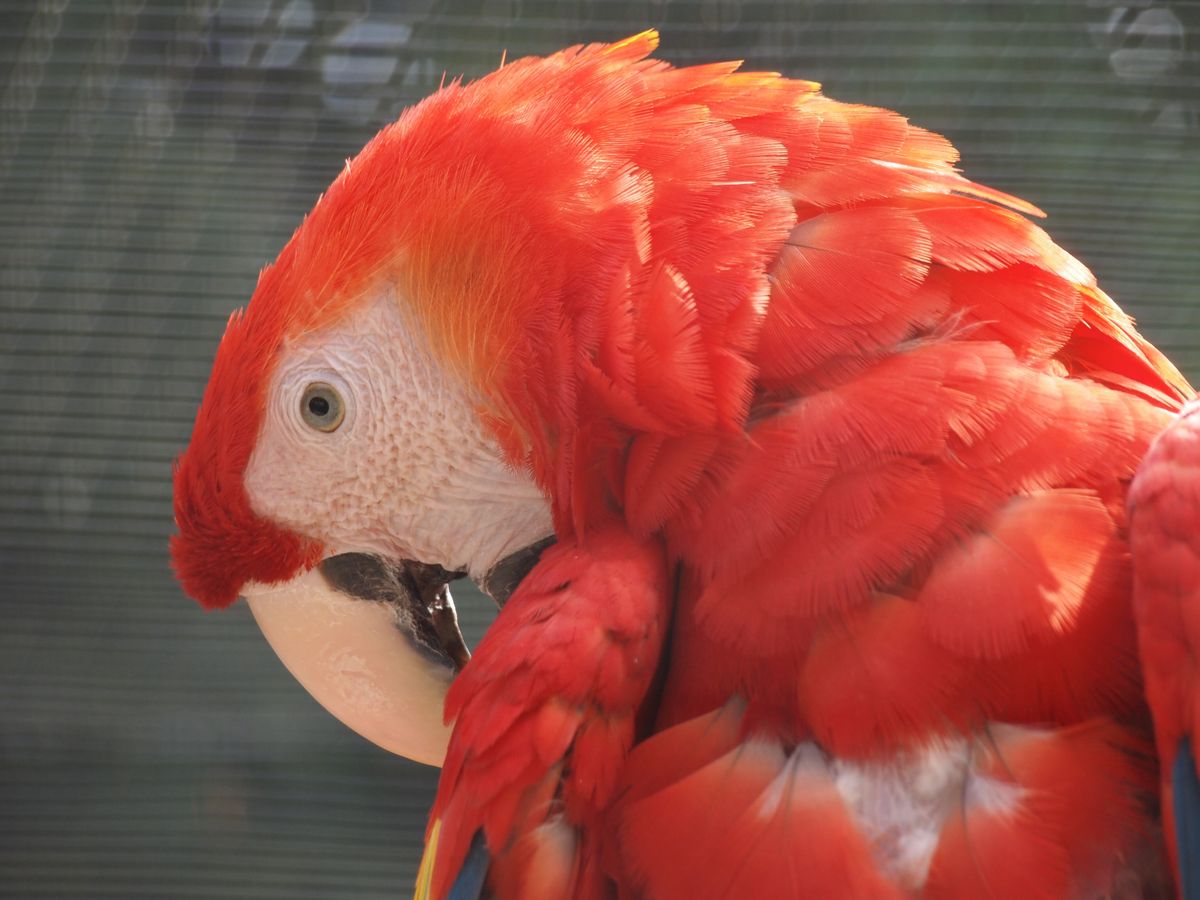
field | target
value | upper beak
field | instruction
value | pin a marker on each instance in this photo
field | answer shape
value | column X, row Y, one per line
column 376, row 643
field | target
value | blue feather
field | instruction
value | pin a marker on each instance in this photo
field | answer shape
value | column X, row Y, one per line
column 469, row 883
column 1185, row 795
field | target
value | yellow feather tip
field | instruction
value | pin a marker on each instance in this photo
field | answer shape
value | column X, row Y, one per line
column 424, row 889
column 648, row 39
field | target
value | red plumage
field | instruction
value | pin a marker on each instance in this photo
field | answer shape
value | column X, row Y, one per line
column 884, row 426
column 850, row 425
column 546, row 713
column 1165, row 539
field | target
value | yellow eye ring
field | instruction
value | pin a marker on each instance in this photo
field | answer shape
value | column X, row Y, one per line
column 321, row 407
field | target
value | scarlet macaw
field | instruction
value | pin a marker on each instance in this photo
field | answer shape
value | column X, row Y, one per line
column 797, row 460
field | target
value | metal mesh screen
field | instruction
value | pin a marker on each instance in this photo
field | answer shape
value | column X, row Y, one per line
column 154, row 154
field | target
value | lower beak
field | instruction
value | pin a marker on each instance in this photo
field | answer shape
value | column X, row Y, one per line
column 375, row 643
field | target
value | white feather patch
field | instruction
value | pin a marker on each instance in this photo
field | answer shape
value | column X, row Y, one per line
column 902, row 803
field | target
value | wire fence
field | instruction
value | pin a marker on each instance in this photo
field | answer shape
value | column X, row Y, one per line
column 155, row 154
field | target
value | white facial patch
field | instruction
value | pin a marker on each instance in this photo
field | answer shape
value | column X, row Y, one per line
column 409, row 473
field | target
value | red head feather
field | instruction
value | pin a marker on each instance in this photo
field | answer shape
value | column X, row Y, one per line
column 221, row 543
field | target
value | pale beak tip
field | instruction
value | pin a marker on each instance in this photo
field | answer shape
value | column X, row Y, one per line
column 355, row 661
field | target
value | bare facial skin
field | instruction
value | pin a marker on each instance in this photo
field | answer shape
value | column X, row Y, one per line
column 409, row 473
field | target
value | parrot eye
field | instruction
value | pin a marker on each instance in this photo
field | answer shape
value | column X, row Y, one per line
column 321, row 407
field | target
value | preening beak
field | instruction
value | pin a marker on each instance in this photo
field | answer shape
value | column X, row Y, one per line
column 376, row 643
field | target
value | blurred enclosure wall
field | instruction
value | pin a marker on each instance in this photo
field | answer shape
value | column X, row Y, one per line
column 154, row 154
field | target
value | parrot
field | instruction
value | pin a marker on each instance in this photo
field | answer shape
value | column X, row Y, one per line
column 796, row 463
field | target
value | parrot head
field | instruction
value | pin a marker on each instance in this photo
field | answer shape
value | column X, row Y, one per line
column 338, row 478
column 444, row 366
column 365, row 435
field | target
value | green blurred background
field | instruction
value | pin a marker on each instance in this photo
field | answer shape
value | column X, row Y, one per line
column 155, row 155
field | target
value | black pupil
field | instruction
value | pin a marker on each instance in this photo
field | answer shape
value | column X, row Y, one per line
column 318, row 406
